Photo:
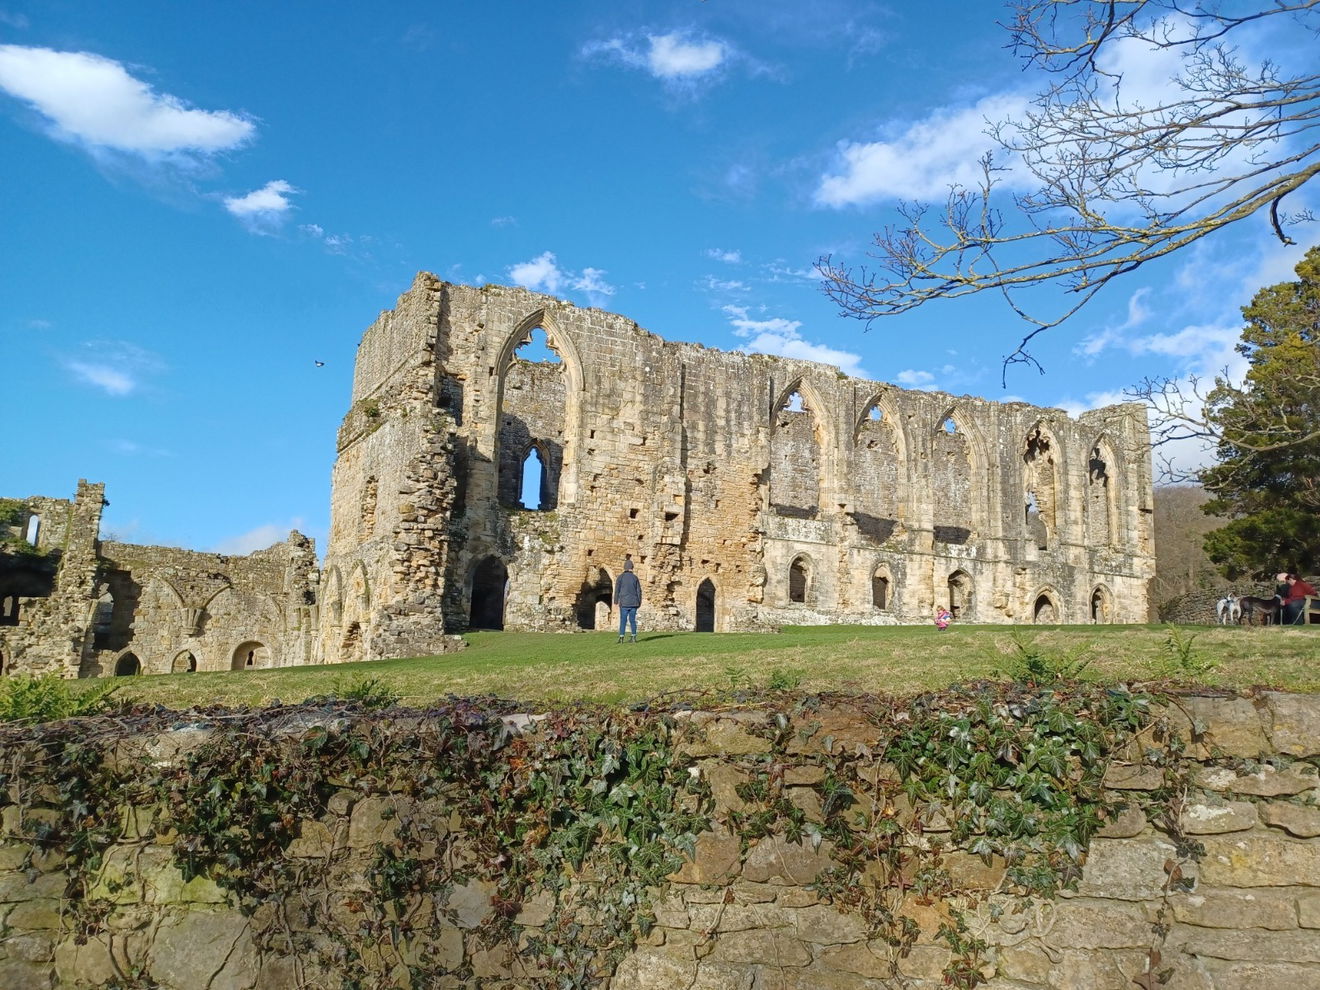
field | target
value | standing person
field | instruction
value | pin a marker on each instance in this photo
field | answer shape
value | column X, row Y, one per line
column 628, row 595
column 1292, row 601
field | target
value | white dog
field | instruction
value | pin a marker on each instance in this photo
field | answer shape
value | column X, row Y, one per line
column 1229, row 610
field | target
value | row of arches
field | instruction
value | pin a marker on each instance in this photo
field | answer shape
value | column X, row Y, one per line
column 489, row 595
column 957, row 458
column 959, row 594
column 249, row 655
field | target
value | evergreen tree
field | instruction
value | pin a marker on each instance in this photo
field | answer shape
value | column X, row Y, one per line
column 1267, row 481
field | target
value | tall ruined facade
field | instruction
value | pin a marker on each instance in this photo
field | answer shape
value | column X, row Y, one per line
column 475, row 487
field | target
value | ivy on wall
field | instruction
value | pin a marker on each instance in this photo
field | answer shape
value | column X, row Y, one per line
column 581, row 819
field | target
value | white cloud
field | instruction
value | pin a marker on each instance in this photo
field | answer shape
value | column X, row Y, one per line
column 115, row 367
column 923, row 160
column 257, row 539
column 543, row 274
column 19, row 21
column 719, row 254
column 676, row 58
column 782, row 337
column 914, row 379
column 264, row 209
column 504, row 221
column 672, row 56
column 94, row 101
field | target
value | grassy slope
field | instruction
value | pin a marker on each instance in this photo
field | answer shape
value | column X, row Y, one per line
column 899, row 660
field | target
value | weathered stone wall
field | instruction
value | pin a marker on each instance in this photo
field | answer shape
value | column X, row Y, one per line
column 1214, row 886
column 786, row 491
column 91, row 608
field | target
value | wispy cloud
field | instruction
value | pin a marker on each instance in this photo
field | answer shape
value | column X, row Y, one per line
column 263, row 210
column 543, row 274
column 257, row 539
column 678, row 59
column 729, row 257
column 19, row 21
column 712, row 284
column 94, row 102
column 784, row 337
column 504, row 221
column 333, row 243
column 116, row 367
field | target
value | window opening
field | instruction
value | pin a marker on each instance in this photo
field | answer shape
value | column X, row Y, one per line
column 533, row 480
column 1044, row 611
column 9, row 611
column 33, row 529
column 103, row 622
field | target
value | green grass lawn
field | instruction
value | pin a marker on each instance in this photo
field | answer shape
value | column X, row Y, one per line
column 546, row 667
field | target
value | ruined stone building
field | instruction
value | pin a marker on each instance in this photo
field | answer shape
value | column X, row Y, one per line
column 477, row 488
column 76, row 605
column 479, row 484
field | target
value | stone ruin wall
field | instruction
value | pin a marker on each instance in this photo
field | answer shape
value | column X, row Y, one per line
column 749, row 490
column 87, row 607
column 1222, row 881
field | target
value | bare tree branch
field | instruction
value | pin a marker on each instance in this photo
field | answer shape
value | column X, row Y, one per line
column 1118, row 177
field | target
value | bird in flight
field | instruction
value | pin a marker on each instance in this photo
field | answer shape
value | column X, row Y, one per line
column 319, row 364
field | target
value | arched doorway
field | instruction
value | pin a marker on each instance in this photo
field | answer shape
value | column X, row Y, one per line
column 595, row 599
column 184, row 663
column 1101, row 607
column 489, row 587
column 1044, row 612
column 705, row 606
column 250, row 656
column 799, row 580
column 128, row 665
column 960, row 595
column 880, row 589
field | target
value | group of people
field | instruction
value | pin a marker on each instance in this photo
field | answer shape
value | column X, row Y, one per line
column 1285, row 607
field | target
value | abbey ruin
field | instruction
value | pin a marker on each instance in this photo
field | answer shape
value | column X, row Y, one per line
column 475, row 488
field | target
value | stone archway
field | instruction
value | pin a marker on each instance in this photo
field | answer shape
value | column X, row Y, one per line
column 595, row 599
column 1045, row 611
column 128, row 665
column 250, row 656
column 184, row 663
column 705, row 611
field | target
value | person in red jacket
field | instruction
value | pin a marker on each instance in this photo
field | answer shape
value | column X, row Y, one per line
column 1292, row 601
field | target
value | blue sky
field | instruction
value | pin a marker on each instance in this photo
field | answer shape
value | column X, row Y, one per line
column 202, row 200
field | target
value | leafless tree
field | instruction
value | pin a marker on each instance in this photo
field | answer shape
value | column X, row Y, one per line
column 1119, row 177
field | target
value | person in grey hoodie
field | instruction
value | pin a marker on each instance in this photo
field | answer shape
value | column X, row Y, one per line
column 628, row 595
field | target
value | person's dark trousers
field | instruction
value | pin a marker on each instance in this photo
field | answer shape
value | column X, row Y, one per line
column 1292, row 612
column 627, row 617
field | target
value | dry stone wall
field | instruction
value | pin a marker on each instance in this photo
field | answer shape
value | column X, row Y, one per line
column 1206, row 873
column 748, row 490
